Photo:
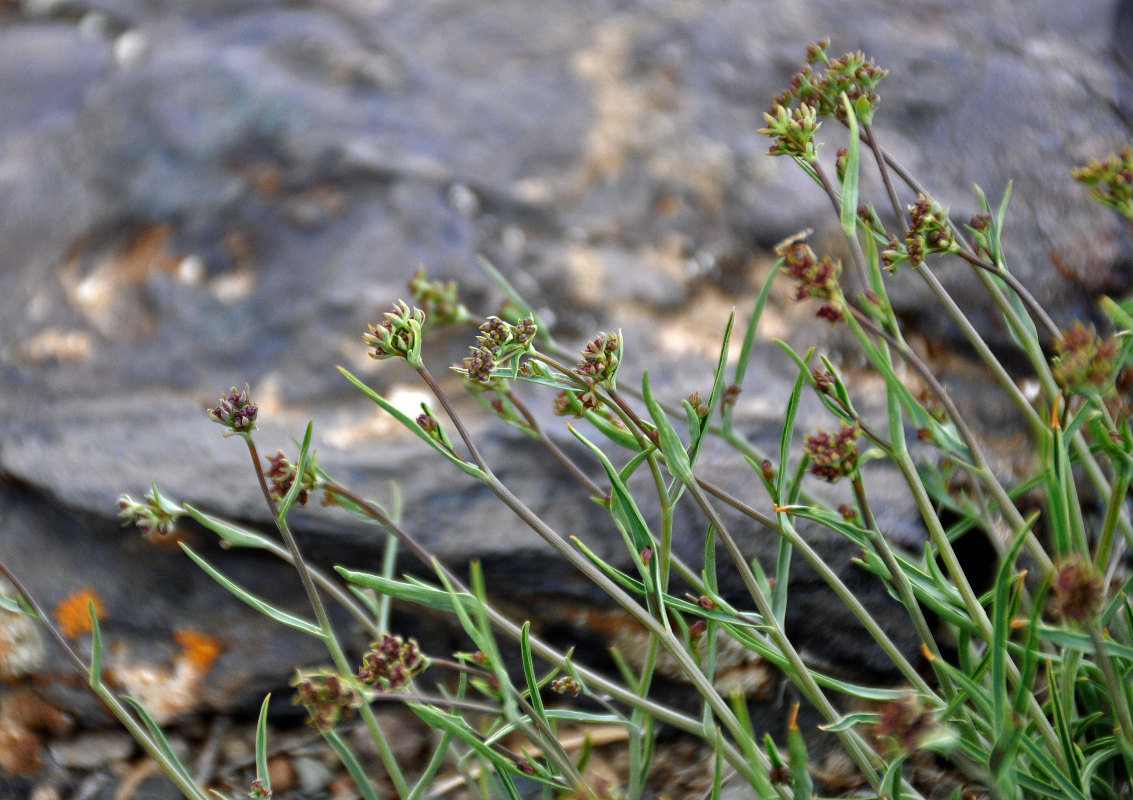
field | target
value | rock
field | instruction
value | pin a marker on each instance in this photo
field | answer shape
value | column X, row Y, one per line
column 198, row 196
column 92, row 750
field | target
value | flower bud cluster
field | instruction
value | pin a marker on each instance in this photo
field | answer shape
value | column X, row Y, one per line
column 833, row 456
column 281, row 475
column 793, row 130
column 391, row 662
column 815, row 278
column 156, row 516
column 1083, row 362
column 929, row 232
column 235, row 411
column 1111, row 181
column 497, row 343
column 398, row 335
column 853, row 75
column 600, row 360
column 566, row 685
column 326, row 696
column 907, row 725
column 439, row 301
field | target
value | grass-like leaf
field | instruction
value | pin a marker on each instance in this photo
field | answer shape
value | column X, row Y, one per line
column 261, row 605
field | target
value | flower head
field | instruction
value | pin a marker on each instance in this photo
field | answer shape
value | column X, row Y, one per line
column 600, row 359
column 1077, row 591
column 398, row 335
column 326, row 696
column 439, row 301
column 157, row 516
column 833, row 456
column 235, row 411
column 390, row 662
column 1111, row 181
column 1084, row 363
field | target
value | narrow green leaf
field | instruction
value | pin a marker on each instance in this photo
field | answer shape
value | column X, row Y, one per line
column 891, row 787
column 714, row 399
column 264, row 607
column 847, row 721
column 412, row 425
column 676, row 457
column 622, row 505
column 262, row 771
column 288, row 499
column 233, row 534
column 11, row 605
column 802, row 786
column 409, row 592
column 529, row 673
column 94, row 674
column 352, row 764
column 159, row 740
column 849, row 204
column 749, row 339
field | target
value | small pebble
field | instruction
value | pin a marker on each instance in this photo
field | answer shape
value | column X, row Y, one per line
column 314, row 775
column 92, row 750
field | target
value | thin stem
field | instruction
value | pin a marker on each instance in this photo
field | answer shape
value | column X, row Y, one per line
column 330, row 640
column 869, row 137
column 673, row 645
column 175, row 771
column 844, row 593
column 900, row 579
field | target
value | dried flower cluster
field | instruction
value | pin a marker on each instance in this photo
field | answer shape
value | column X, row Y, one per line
column 929, row 232
column 833, row 456
column 391, row 662
column 1077, row 590
column 815, row 277
column 326, row 696
column 281, row 475
column 1084, row 363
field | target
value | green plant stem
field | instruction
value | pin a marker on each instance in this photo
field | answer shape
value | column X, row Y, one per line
column 870, row 138
column 172, row 771
column 1114, row 505
column 862, row 754
column 330, row 640
column 580, row 562
column 844, row 593
column 983, row 472
column 900, row 580
column 1032, row 304
column 1118, row 696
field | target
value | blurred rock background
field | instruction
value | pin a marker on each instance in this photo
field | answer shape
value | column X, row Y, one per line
column 200, row 194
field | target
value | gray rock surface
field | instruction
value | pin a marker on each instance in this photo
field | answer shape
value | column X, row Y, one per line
column 196, row 195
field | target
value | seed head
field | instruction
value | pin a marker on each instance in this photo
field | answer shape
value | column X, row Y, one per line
column 1077, row 591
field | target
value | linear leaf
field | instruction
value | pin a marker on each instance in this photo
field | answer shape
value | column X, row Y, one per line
column 261, row 605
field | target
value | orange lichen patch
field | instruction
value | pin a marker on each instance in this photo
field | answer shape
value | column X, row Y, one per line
column 200, row 649
column 73, row 612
